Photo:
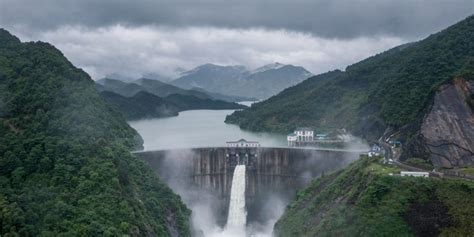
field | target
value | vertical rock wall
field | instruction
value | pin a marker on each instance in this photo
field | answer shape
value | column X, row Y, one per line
column 446, row 136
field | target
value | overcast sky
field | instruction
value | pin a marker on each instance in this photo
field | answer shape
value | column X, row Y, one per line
column 157, row 36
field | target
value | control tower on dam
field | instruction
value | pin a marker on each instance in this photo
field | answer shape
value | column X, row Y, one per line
column 270, row 172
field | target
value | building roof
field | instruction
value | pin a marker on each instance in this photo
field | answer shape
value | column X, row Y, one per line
column 304, row 129
column 414, row 172
column 242, row 140
column 292, row 134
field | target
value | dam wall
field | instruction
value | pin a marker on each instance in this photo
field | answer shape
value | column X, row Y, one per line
column 271, row 172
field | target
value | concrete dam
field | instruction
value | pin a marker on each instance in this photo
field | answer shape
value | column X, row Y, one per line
column 205, row 174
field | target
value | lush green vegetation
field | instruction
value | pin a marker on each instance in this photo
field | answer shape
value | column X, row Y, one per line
column 392, row 88
column 159, row 89
column 468, row 171
column 187, row 102
column 144, row 105
column 140, row 106
column 419, row 163
column 65, row 162
column 365, row 200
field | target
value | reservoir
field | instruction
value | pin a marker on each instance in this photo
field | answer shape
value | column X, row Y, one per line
column 198, row 128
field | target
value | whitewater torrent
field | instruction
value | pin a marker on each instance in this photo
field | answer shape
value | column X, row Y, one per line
column 237, row 214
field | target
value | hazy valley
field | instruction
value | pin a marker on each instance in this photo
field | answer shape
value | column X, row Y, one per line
column 162, row 121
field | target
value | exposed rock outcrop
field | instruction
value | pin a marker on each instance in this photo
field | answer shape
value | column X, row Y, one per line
column 447, row 131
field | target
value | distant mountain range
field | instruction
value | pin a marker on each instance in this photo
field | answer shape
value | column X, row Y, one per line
column 260, row 83
column 229, row 83
column 147, row 98
column 161, row 89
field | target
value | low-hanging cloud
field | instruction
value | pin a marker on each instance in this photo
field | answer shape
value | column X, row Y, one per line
column 134, row 51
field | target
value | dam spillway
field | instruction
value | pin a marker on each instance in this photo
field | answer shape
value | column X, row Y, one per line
column 237, row 209
column 270, row 172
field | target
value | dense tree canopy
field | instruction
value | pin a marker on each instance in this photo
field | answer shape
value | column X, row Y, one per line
column 366, row 199
column 389, row 89
column 65, row 162
column 144, row 105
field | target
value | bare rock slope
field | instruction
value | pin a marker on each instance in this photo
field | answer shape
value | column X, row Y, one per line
column 448, row 129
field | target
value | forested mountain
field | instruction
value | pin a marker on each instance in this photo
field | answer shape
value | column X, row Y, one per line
column 260, row 83
column 214, row 78
column 160, row 89
column 144, row 105
column 119, row 87
column 392, row 89
column 190, row 103
column 65, row 162
column 364, row 199
column 155, row 87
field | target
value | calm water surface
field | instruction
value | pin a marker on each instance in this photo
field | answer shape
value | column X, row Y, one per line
column 197, row 128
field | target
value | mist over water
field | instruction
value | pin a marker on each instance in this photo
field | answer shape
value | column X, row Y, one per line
column 198, row 128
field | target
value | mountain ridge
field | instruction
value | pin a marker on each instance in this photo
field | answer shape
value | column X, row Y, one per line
column 238, row 80
column 145, row 105
column 159, row 88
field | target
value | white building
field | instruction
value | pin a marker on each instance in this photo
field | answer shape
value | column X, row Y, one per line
column 304, row 134
column 242, row 143
column 300, row 136
column 414, row 174
column 375, row 150
column 291, row 138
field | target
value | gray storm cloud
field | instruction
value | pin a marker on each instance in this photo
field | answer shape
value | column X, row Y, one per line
column 134, row 51
column 133, row 38
column 324, row 18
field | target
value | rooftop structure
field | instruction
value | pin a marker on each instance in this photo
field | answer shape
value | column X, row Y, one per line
column 300, row 136
column 242, row 143
column 321, row 136
column 375, row 150
column 414, row 174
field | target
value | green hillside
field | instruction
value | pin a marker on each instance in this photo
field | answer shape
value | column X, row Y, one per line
column 187, row 102
column 65, row 162
column 144, row 105
column 365, row 200
column 389, row 89
column 160, row 89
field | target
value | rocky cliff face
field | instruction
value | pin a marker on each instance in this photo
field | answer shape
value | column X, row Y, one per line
column 446, row 135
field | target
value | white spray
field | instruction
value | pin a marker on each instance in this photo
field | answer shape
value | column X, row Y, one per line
column 237, row 214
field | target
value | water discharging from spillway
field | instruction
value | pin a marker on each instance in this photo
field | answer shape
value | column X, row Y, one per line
column 237, row 214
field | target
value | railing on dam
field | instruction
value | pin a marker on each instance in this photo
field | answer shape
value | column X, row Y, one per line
column 360, row 151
